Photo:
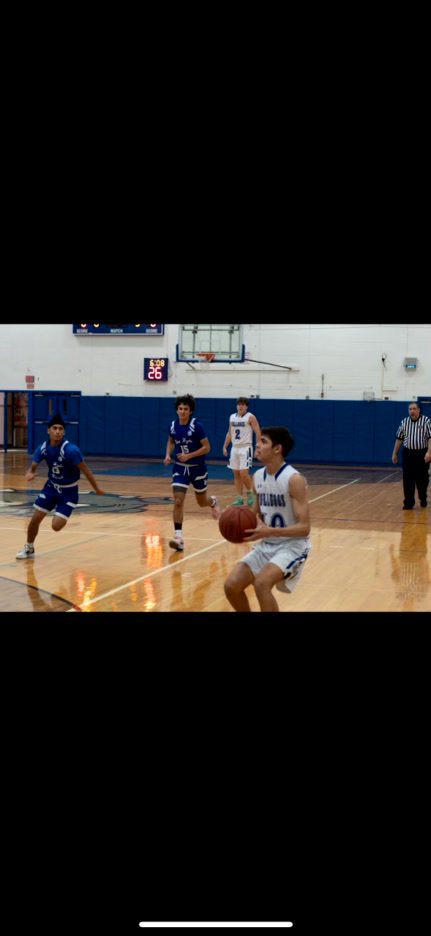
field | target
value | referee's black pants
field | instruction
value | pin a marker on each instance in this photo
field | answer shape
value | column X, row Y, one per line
column 415, row 474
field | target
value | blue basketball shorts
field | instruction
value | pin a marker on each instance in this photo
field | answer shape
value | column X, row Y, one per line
column 61, row 500
column 197, row 475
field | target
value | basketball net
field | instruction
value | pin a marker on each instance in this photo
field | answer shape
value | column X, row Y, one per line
column 206, row 358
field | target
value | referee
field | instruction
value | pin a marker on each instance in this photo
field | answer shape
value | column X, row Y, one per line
column 414, row 435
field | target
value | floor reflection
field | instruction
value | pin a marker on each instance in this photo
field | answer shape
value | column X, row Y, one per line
column 410, row 566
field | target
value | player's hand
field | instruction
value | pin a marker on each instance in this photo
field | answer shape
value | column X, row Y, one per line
column 98, row 490
column 183, row 457
column 260, row 530
column 225, row 451
column 30, row 475
column 428, row 456
column 395, row 459
column 167, row 460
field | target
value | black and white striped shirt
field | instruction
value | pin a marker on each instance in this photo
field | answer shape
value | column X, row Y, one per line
column 415, row 433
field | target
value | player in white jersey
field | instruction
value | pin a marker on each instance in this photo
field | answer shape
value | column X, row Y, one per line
column 242, row 424
column 283, row 526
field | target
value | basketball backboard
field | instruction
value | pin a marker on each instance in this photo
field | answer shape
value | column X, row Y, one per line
column 223, row 341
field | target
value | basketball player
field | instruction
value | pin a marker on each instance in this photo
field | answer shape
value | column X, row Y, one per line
column 60, row 493
column 189, row 439
column 283, row 526
column 242, row 424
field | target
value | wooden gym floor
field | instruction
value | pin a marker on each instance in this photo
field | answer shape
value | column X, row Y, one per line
column 367, row 553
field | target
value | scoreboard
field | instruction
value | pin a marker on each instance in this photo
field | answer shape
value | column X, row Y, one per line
column 142, row 328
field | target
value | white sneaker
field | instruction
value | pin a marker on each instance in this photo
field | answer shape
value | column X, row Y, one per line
column 26, row 553
column 215, row 509
column 177, row 542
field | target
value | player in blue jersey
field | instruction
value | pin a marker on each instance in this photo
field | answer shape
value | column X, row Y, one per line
column 188, row 440
column 60, row 493
column 283, row 526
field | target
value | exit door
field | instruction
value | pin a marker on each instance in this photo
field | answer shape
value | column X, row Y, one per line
column 43, row 405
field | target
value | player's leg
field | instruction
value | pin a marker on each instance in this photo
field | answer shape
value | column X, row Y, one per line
column 263, row 585
column 67, row 500
column 27, row 552
column 179, row 498
column 236, row 583
column 58, row 523
column 237, row 478
column 245, row 481
column 179, row 493
column 33, row 527
column 43, row 505
column 234, row 465
column 199, row 479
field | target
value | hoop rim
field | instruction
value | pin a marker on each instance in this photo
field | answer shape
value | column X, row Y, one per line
column 208, row 355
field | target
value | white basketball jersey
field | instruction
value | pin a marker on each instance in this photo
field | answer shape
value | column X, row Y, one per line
column 275, row 502
column 241, row 432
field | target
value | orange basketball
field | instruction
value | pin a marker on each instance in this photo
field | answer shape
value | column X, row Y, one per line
column 234, row 520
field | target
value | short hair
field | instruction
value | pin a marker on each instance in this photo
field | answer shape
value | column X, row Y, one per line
column 56, row 420
column 242, row 399
column 279, row 435
column 186, row 400
column 415, row 403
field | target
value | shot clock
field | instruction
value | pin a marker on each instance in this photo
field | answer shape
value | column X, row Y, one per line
column 155, row 369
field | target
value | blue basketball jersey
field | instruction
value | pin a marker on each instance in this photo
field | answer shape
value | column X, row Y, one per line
column 62, row 461
column 187, row 439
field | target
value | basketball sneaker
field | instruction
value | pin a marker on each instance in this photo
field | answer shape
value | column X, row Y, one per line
column 250, row 499
column 238, row 502
column 215, row 509
column 26, row 553
column 178, row 541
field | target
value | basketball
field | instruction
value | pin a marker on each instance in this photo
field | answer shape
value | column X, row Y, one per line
column 234, row 520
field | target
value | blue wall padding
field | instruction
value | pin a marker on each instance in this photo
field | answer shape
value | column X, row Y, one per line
column 325, row 431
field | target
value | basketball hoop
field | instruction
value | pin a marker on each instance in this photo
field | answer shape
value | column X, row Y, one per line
column 207, row 357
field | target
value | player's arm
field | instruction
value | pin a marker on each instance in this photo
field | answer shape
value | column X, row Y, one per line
column 169, row 448
column 31, row 473
column 227, row 442
column 206, row 447
column 255, row 426
column 256, row 508
column 89, row 474
column 298, row 490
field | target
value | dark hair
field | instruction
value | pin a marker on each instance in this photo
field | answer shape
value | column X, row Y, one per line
column 56, row 420
column 187, row 400
column 279, row 435
column 242, row 399
column 415, row 403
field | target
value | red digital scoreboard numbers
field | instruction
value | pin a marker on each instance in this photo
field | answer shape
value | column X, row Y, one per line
column 155, row 369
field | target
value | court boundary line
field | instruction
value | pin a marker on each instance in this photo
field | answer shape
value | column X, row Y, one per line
column 313, row 501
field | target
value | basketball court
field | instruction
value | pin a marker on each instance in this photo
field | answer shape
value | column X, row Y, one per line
column 367, row 554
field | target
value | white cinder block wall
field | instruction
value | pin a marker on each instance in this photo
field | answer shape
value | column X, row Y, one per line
column 340, row 362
